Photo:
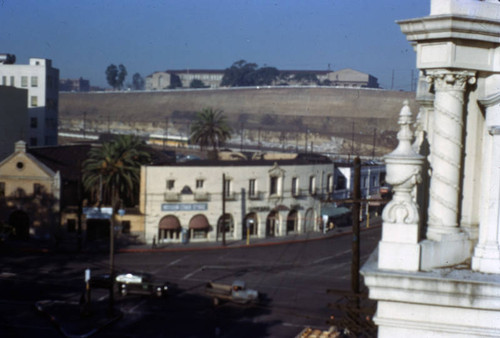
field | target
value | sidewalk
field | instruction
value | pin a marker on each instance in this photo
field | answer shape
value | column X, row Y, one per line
column 375, row 223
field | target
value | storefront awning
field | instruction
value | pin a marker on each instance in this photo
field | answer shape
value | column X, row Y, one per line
column 199, row 222
column 169, row 223
column 333, row 211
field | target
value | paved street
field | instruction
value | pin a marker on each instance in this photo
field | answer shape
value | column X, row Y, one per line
column 293, row 277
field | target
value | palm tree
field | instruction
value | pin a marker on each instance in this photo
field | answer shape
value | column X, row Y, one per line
column 113, row 171
column 210, row 129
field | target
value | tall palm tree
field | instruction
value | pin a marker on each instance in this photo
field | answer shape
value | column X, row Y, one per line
column 113, row 170
column 210, row 129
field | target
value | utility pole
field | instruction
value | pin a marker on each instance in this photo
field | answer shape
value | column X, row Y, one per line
column 307, row 134
column 165, row 139
column 224, row 209
column 80, row 207
column 356, row 196
column 112, row 255
column 84, row 122
column 242, row 131
column 374, row 140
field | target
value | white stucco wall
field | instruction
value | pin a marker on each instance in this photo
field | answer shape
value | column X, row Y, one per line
column 238, row 204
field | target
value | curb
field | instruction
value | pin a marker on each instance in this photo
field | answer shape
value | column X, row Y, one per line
column 219, row 247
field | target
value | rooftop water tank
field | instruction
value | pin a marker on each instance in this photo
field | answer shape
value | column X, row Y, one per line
column 7, row 59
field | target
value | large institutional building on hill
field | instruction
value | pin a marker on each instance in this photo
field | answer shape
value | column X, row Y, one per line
column 212, row 78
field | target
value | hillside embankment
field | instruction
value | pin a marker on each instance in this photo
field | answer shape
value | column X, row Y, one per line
column 335, row 120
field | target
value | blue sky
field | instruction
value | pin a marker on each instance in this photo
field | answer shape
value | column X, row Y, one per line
column 83, row 37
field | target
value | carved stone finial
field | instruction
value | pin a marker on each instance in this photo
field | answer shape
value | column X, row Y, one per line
column 399, row 248
column 405, row 134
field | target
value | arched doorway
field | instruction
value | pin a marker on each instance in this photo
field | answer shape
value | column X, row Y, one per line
column 309, row 220
column 169, row 228
column 250, row 225
column 226, row 223
column 272, row 223
column 199, row 227
column 20, row 221
column 292, row 222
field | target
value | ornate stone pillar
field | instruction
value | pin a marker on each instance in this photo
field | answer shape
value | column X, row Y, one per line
column 446, row 152
column 399, row 248
column 487, row 252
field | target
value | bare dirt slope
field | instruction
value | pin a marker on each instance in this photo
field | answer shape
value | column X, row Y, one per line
column 326, row 111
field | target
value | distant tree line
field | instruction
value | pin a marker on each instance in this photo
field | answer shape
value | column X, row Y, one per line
column 115, row 76
column 242, row 74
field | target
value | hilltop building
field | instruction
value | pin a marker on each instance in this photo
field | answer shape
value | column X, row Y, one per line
column 41, row 81
column 74, row 85
column 436, row 272
column 212, row 78
column 183, row 78
column 352, row 78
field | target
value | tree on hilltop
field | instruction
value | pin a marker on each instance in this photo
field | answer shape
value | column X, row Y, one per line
column 242, row 74
column 116, row 75
column 137, row 82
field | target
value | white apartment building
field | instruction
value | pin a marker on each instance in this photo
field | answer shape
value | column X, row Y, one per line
column 42, row 81
column 262, row 198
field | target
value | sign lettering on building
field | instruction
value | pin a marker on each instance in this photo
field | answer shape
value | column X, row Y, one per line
column 184, row 207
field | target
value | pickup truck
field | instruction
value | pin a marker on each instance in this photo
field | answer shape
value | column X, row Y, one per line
column 236, row 292
column 141, row 284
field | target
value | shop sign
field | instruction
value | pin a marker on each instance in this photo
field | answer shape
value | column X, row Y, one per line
column 184, row 207
column 98, row 213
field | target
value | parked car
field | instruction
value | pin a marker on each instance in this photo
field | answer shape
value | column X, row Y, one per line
column 236, row 292
column 141, row 284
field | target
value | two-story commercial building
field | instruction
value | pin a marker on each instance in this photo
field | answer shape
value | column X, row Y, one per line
column 260, row 197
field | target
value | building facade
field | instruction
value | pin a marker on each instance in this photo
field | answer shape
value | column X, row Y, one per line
column 259, row 198
column 74, row 85
column 42, row 82
column 213, row 78
column 14, row 117
column 29, row 195
column 436, row 272
column 352, row 78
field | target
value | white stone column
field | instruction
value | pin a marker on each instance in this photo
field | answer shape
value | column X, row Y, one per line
column 487, row 251
column 446, row 151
